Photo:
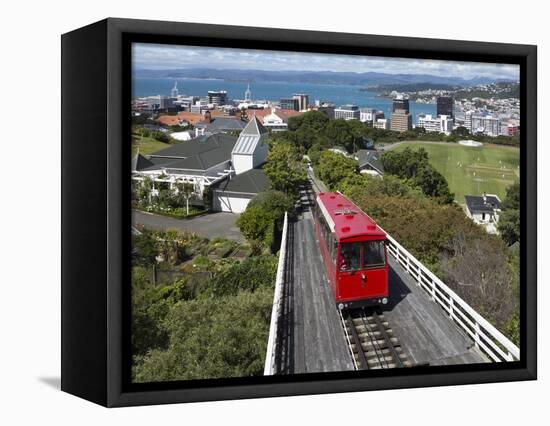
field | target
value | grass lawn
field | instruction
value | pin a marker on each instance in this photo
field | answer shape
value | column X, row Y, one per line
column 146, row 145
column 473, row 170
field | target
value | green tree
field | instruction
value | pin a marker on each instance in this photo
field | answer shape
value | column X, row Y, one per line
column 284, row 169
column 144, row 248
column 334, row 168
column 275, row 202
column 211, row 338
column 339, row 133
column 509, row 218
column 252, row 274
column 186, row 191
column 512, row 199
column 414, row 165
column 254, row 223
column 509, row 226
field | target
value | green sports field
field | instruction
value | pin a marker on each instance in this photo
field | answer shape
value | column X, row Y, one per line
column 472, row 170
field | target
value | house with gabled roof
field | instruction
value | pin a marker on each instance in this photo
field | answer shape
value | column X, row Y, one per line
column 484, row 210
column 224, row 162
column 370, row 162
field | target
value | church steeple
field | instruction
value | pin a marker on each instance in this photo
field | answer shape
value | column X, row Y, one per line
column 248, row 94
column 174, row 92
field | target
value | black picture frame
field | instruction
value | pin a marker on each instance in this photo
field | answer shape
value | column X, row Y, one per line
column 96, row 211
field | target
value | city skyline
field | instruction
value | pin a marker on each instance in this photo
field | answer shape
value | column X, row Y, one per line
column 160, row 57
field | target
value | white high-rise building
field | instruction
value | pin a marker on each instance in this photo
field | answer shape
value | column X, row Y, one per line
column 441, row 124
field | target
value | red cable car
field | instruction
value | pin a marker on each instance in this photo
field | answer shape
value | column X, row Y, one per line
column 354, row 252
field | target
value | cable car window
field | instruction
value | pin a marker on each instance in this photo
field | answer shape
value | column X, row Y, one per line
column 350, row 257
column 373, row 254
column 334, row 250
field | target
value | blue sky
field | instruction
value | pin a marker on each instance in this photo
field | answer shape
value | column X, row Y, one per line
column 153, row 56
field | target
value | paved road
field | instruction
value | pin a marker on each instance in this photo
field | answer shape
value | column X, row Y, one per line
column 210, row 225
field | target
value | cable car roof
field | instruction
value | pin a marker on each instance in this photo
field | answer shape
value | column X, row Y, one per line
column 345, row 218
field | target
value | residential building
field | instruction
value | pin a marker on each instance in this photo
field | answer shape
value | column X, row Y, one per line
column 484, row 210
column 401, row 120
column 218, row 124
column 201, row 161
column 370, row 162
column 277, row 120
column 229, row 165
column 347, row 112
column 445, row 106
column 218, row 97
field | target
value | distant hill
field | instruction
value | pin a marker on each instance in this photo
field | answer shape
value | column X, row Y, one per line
column 411, row 87
column 321, row 77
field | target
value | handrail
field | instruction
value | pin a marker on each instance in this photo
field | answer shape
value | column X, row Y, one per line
column 269, row 367
column 485, row 336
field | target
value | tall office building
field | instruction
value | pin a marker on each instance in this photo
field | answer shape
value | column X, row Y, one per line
column 289, row 103
column 217, row 97
column 303, row 101
column 445, row 106
column 401, row 120
column 401, row 103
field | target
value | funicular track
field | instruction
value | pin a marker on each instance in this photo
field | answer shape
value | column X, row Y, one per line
column 371, row 340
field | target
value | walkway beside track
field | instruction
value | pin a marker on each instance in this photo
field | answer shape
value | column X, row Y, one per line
column 313, row 338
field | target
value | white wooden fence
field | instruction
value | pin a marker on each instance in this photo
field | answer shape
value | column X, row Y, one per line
column 269, row 368
column 491, row 341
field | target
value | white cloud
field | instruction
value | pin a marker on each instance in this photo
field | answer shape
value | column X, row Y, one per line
column 153, row 56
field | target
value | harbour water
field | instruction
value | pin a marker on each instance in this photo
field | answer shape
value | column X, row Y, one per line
column 340, row 94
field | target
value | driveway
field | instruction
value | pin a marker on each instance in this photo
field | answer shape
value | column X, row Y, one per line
column 210, row 225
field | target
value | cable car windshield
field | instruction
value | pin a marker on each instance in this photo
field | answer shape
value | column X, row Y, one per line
column 362, row 255
column 373, row 254
column 350, row 257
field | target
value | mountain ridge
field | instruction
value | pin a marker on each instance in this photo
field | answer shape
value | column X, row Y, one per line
column 369, row 78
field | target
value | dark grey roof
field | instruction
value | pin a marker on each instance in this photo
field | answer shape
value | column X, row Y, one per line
column 199, row 154
column 222, row 124
column 254, row 127
column 139, row 162
column 477, row 204
column 368, row 157
column 197, row 146
column 252, row 181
